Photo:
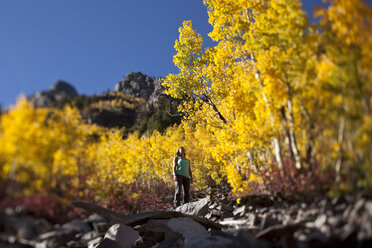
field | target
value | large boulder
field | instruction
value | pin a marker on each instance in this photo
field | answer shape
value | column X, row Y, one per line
column 122, row 236
column 187, row 227
column 210, row 241
column 199, row 207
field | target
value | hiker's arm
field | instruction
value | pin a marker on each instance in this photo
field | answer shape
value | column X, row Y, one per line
column 174, row 169
column 190, row 173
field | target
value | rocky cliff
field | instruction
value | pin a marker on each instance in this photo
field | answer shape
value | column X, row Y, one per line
column 138, row 102
column 140, row 85
column 58, row 92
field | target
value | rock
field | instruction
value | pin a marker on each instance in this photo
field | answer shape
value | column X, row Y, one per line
column 157, row 93
column 187, row 227
column 94, row 242
column 195, row 208
column 145, row 242
column 235, row 223
column 155, row 229
column 175, row 243
column 227, row 207
column 27, row 228
column 267, row 222
column 42, row 244
column 61, row 88
column 124, row 235
column 278, row 231
column 323, row 205
column 357, row 210
column 109, row 243
column 95, row 218
column 209, row 241
column 58, row 238
column 239, row 212
column 243, row 239
column 15, row 245
column 316, row 239
column 58, row 92
column 100, row 228
column 136, row 84
column 320, row 221
column 288, row 242
column 257, row 201
column 75, row 244
column 217, row 213
column 108, row 117
column 22, row 225
column 89, row 236
column 368, row 207
column 78, row 225
column 141, row 218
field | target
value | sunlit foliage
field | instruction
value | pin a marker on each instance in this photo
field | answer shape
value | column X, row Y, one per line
column 277, row 90
column 43, row 148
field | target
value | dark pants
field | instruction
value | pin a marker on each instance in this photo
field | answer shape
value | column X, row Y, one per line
column 185, row 182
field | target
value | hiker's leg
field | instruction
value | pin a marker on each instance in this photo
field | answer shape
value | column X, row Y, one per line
column 177, row 193
column 186, row 189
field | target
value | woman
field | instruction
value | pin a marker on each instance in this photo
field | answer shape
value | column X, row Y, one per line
column 182, row 176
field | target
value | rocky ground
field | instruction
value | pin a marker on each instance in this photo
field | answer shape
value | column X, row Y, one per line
column 257, row 221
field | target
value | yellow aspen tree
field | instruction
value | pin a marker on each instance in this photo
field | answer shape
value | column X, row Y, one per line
column 269, row 41
column 251, row 75
column 344, row 78
column 190, row 82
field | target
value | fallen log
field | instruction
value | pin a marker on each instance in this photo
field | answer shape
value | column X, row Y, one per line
column 141, row 218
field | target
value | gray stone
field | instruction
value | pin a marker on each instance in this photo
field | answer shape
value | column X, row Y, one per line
column 59, row 235
column 100, row 227
column 59, row 91
column 199, row 208
column 267, row 222
column 187, row 227
column 94, row 242
column 124, row 235
column 78, row 225
column 89, row 236
column 136, row 84
column 357, row 209
column 209, row 241
column 27, row 228
column 368, row 207
column 173, row 243
column 109, row 243
column 278, row 231
column 320, row 221
column 243, row 239
column 155, row 229
column 63, row 88
column 145, row 241
column 235, row 223
column 95, row 218
column 75, row 244
column 42, row 244
column 240, row 211
column 316, row 238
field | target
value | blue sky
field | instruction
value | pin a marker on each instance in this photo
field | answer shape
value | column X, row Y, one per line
column 91, row 44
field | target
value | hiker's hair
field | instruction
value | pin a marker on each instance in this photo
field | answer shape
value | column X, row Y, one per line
column 179, row 152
